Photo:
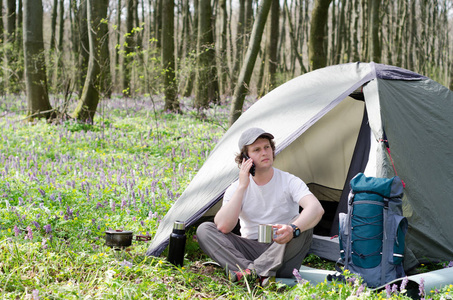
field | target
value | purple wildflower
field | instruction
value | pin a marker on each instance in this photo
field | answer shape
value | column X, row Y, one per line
column 29, row 233
column 35, row 295
column 126, row 263
column 44, row 243
column 36, row 225
column 48, row 228
column 351, row 280
column 394, row 289
column 299, row 278
column 450, row 264
column 69, row 211
column 360, row 289
column 421, row 287
column 388, row 290
column 16, row 230
column 43, row 193
column 404, row 284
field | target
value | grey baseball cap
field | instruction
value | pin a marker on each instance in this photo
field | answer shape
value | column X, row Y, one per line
column 251, row 135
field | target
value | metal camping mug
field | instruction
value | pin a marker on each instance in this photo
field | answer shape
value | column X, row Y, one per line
column 265, row 233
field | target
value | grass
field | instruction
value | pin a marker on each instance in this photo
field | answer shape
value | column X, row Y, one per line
column 63, row 185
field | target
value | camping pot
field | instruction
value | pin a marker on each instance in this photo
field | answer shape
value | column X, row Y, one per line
column 265, row 233
column 122, row 238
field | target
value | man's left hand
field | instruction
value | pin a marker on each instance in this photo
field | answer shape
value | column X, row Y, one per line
column 284, row 233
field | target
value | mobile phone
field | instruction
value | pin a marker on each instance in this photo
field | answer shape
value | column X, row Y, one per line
column 252, row 169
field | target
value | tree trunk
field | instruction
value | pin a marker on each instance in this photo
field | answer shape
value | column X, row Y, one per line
column 374, row 31
column 10, row 21
column 118, row 43
column 158, row 22
column 249, row 62
column 61, row 27
column 207, row 88
column 128, row 48
column 53, row 24
column 102, row 40
column 19, row 25
column 189, row 85
column 238, row 57
column 87, row 105
column 316, row 53
column 189, row 44
column 168, row 56
column 272, row 38
column 38, row 104
column 355, row 32
column 402, row 14
column 83, row 44
column 1, row 22
column 341, row 34
column 222, row 57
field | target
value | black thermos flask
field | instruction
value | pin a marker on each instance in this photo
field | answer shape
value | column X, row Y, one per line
column 177, row 244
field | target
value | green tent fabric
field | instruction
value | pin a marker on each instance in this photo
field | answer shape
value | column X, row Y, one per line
column 329, row 125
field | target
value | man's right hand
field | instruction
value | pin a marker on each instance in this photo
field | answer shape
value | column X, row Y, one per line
column 244, row 172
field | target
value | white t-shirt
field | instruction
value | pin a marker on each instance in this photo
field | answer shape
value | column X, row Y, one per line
column 276, row 202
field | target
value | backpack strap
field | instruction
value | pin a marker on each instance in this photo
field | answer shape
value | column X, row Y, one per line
column 385, row 240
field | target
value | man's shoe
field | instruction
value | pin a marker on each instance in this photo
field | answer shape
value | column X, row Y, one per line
column 240, row 276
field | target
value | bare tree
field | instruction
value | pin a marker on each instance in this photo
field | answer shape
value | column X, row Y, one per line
column 53, row 24
column 272, row 39
column 317, row 55
column 207, row 88
column 61, row 26
column 240, row 90
column 168, row 56
column 129, row 46
column 10, row 21
column 222, row 63
column 374, row 31
column 38, row 104
column 87, row 105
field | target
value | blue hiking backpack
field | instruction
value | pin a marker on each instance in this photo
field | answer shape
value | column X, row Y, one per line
column 371, row 234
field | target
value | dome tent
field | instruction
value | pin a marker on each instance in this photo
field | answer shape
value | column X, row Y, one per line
column 329, row 125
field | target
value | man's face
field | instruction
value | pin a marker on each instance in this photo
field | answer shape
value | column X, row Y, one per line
column 261, row 153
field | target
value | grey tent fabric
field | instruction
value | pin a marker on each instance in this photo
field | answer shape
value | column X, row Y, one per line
column 318, row 129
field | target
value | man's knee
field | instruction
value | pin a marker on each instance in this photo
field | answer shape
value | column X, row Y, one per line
column 204, row 229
